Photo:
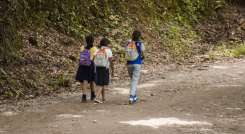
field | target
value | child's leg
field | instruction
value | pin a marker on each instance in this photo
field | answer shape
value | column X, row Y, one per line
column 84, row 85
column 130, row 71
column 92, row 87
column 81, row 83
column 134, row 71
column 112, row 69
column 135, row 79
column 103, row 93
column 98, row 93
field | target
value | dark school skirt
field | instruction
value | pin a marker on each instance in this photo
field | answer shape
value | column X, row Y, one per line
column 102, row 76
column 86, row 73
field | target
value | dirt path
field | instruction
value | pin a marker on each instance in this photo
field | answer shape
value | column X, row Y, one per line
column 209, row 99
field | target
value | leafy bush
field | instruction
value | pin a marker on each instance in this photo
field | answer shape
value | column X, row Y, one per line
column 9, row 43
column 170, row 20
column 63, row 81
column 236, row 50
column 239, row 51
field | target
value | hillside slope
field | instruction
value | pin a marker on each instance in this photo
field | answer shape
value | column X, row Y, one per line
column 41, row 39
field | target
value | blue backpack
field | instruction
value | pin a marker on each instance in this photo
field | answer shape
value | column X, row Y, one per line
column 85, row 58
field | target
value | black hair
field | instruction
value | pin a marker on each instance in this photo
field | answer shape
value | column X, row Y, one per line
column 136, row 35
column 90, row 41
column 104, row 42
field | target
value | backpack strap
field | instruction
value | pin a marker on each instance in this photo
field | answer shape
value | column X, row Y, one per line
column 138, row 48
column 104, row 50
column 85, row 50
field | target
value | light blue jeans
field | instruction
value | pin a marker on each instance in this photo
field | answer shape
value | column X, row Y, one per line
column 134, row 74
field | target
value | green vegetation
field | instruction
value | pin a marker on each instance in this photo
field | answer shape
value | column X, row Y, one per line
column 239, row 51
column 230, row 49
column 168, row 27
column 10, row 43
column 78, row 17
column 179, row 40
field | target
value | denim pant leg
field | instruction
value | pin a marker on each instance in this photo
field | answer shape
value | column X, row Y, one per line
column 134, row 74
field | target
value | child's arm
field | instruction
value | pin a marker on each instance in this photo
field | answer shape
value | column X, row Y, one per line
column 142, row 51
column 112, row 63
column 142, row 55
column 111, row 60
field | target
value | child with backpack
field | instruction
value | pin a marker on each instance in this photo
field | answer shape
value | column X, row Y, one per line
column 86, row 71
column 134, row 55
column 102, row 60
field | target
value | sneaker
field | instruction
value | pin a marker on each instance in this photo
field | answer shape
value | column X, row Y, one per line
column 131, row 99
column 92, row 97
column 84, row 98
column 97, row 101
column 135, row 98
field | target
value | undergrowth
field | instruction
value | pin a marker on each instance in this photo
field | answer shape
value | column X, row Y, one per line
column 167, row 24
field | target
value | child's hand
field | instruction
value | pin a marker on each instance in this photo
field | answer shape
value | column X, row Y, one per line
column 142, row 57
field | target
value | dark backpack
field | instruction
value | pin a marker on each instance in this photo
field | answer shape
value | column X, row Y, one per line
column 85, row 58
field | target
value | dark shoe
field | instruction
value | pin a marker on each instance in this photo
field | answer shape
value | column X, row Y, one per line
column 92, row 97
column 84, row 98
column 103, row 100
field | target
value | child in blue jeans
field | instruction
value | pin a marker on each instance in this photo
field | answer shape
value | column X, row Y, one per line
column 134, row 54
